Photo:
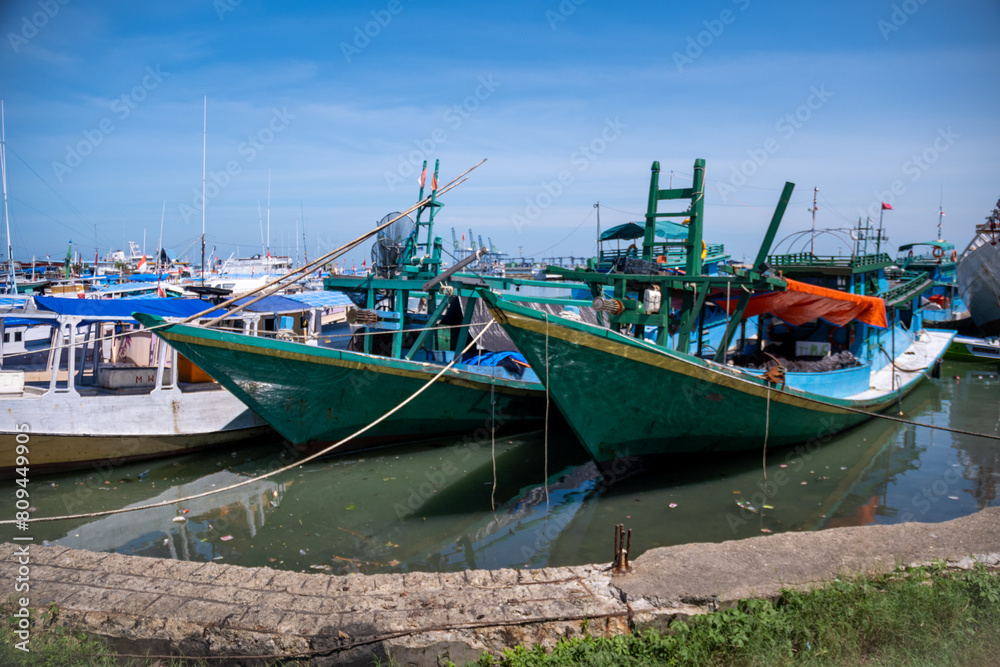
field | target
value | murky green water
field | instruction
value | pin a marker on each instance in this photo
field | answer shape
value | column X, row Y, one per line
column 433, row 506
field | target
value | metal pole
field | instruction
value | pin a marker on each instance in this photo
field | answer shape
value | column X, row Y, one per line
column 6, row 215
column 812, row 238
column 204, row 203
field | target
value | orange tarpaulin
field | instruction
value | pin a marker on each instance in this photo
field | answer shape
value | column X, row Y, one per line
column 803, row 302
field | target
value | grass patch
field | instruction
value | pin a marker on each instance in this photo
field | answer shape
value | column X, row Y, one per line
column 915, row 616
column 51, row 645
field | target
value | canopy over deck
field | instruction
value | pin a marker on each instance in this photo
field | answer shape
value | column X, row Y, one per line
column 633, row 230
column 802, row 302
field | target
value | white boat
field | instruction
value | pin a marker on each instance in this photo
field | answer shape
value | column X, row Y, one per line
column 978, row 274
column 110, row 392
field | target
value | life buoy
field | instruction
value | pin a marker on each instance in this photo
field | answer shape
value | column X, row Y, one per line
column 832, row 338
column 775, row 322
column 661, row 259
column 938, row 251
column 954, row 255
column 909, row 255
column 631, row 250
column 704, row 250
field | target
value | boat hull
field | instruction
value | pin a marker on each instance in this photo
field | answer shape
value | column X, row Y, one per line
column 964, row 348
column 65, row 432
column 313, row 396
column 978, row 276
column 624, row 398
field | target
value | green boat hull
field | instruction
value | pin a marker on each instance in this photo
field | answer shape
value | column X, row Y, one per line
column 966, row 349
column 623, row 398
column 314, row 396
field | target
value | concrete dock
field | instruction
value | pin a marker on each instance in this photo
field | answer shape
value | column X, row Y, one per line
column 258, row 615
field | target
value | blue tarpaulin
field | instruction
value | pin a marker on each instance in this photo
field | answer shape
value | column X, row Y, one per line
column 110, row 309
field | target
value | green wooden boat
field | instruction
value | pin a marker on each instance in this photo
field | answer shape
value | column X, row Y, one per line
column 416, row 318
column 626, row 394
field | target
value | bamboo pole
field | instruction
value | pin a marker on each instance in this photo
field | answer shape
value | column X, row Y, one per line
column 309, row 268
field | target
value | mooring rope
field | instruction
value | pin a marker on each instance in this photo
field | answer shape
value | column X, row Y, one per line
column 845, row 408
column 89, row 515
column 767, row 430
column 546, row 437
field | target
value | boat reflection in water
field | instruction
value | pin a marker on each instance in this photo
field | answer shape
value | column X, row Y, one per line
column 427, row 506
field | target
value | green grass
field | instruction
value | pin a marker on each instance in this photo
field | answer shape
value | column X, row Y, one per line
column 51, row 645
column 918, row 616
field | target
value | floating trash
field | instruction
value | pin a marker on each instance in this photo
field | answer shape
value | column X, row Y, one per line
column 226, row 538
column 179, row 519
column 672, row 505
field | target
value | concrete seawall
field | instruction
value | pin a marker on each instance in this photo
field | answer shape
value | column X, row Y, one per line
column 158, row 607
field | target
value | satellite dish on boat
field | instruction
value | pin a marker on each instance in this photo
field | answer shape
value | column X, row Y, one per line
column 387, row 251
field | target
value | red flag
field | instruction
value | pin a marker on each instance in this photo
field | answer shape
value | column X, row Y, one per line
column 364, row 263
column 423, row 177
column 434, row 182
column 886, row 207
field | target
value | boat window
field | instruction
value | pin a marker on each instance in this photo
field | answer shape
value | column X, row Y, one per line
column 6, row 338
column 17, row 336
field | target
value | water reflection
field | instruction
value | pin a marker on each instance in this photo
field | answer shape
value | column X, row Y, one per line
column 433, row 506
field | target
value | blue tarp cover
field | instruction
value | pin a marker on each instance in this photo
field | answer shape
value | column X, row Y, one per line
column 634, row 230
column 122, row 309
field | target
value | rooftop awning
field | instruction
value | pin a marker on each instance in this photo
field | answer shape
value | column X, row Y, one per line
column 121, row 309
column 634, row 230
column 802, row 303
column 944, row 245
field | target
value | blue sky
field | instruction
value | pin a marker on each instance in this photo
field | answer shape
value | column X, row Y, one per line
column 104, row 117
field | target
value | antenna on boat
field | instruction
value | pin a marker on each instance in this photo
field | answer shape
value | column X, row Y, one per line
column 204, row 203
column 260, row 219
column 6, row 214
column 598, row 207
column 940, row 215
column 159, row 249
column 305, row 246
column 812, row 238
column 268, row 254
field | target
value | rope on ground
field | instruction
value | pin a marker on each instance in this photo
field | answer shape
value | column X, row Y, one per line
column 311, row 457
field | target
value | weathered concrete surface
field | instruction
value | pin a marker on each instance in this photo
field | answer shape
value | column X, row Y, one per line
column 152, row 606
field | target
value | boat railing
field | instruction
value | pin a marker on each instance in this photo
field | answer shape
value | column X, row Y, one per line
column 913, row 283
column 809, row 259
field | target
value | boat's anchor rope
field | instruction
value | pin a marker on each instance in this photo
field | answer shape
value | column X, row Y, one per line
column 90, row 515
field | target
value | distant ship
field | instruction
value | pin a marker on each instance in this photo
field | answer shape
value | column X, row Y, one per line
column 978, row 274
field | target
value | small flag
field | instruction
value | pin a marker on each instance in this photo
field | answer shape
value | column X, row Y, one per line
column 886, row 207
column 160, row 292
column 364, row 263
column 943, row 213
column 142, row 264
column 423, row 177
column 434, row 182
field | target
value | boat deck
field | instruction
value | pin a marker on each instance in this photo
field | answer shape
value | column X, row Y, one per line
column 928, row 346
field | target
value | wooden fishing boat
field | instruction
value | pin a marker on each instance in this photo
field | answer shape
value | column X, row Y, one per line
column 411, row 320
column 978, row 275
column 108, row 394
column 626, row 395
column 967, row 348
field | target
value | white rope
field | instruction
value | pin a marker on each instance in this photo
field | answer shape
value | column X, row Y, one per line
column 767, row 429
column 546, row 438
column 493, row 438
column 381, row 419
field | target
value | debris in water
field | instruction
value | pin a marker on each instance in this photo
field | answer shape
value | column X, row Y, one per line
column 351, row 507
column 672, row 505
column 226, row 538
column 952, row 497
column 179, row 519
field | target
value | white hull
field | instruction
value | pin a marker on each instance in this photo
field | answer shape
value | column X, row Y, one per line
column 66, row 431
column 978, row 274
